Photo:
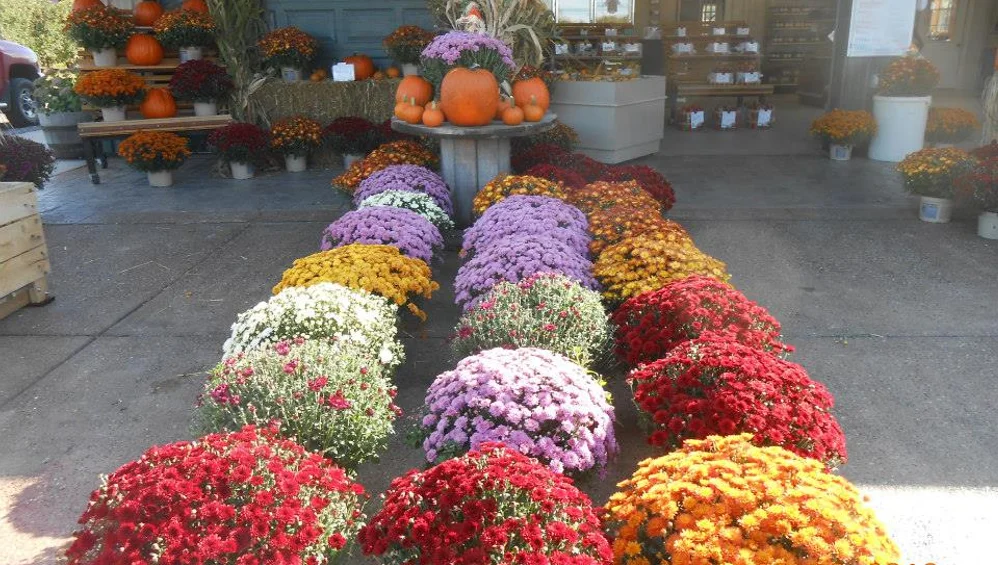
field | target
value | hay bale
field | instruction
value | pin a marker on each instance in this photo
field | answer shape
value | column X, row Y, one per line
column 326, row 100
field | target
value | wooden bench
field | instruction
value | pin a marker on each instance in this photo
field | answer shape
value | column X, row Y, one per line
column 24, row 259
column 738, row 91
column 93, row 132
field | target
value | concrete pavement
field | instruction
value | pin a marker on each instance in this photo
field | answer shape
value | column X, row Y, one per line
column 895, row 316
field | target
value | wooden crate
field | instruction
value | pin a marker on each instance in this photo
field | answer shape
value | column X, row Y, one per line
column 24, row 258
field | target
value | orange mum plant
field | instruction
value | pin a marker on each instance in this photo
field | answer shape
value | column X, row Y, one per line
column 601, row 195
column 497, row 189
column 613, row 225
column 724, row 500
column 107, row 88
column 402, row 152
column 296, row 135
column 154, row 150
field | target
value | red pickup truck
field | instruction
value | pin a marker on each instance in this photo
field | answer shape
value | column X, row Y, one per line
column 18, row 70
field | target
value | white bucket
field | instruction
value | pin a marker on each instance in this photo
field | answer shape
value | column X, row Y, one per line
column 192, row 53
column 106, row 57
column 205, row 108
column 900, row 126
column 410, row 69
column 935, row 210
column 160, row 178
column 113, row 114
column 241, row 171
column 987, row 225
column 291, row 75
column 295, row 164
column 840, row 152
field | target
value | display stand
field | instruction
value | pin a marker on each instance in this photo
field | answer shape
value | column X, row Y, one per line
column 472, row 156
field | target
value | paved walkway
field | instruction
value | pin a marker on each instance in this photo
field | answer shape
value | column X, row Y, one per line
column 897, row 317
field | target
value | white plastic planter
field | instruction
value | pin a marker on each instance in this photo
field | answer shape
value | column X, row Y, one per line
column 295, row 164
column 241, row 171
column 189, row 54
column 106, row 57
column 410, row 69
column 113, row 114
column 290, row 75
column 160, row 178
column 935, row 210
column 840, row 152
column 987, row 225
column 205, row 108
column 900, row 126
column 350, row 160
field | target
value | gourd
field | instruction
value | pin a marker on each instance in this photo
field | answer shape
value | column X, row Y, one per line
column 159, row 103
column 412, row 113
column 415, row 87
column 195, row 6
column 469, row 97
column 512, row 115
column 503, row 104
column 85, row 4
column 143, row 49
column 533, row 112
column 393, row 72
column 147, row 12
column 432, row 116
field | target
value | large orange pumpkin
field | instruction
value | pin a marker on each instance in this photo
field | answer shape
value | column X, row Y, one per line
column 531, row 88
column 147, row 12
column 159, row 103
column 363, row 66
column 144, row 50
column 469, row 97
column 195, row 6
column 84, row 4
column 416, row 87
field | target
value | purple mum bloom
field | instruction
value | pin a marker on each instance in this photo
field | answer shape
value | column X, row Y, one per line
column 411, row 233
column 407, row 178
column 530, row 215
column 535, row 401
column 516, row 258
column 450, row 46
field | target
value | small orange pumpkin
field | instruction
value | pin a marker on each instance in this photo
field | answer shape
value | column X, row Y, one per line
column 512, row 115
column 378, row 75
column 503, row 104
column 432, row 116
column 412, row 113
column 363, row 66
column 532, row 89
column 399, row 106
column 393, row 72
column 85, row 4
column 417, row 87
column 532, row 112
column 143, row 49
column 195, row 6
column 159, row 103
column 469, row 97
column 147, row 12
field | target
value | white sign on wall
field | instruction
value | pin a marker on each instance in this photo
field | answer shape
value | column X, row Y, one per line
column 881, row 28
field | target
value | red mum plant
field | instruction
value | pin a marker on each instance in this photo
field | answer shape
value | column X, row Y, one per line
column 489, row 506
column 246, row 497
column 240, row 142
column 648, row 178
column 541, row 153
column 714, row 385
column 651, row 324
column 985, row 152
column 570, row 179
column 351, row 135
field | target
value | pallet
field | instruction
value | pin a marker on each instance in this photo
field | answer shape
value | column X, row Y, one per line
column 24, row 260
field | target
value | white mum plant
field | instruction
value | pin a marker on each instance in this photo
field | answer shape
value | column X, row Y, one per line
column 418, row 202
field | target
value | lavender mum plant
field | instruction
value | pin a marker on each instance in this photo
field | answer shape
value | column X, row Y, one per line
column 530, row 215
column 466, row 49
column 411, row 233
column 407, row 178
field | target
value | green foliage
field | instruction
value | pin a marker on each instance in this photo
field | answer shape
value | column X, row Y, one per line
column 54, row 93
column 38, row 24
column 239, row 25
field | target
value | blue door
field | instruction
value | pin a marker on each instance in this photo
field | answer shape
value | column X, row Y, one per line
column 344, row 27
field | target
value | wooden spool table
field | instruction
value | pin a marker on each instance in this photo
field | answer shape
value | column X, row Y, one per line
column 472, row 156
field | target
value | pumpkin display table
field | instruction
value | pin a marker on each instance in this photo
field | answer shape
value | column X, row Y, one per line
column 472, row 156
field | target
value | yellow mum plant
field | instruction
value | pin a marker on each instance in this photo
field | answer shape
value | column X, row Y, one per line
column 931, row 171
column 613, row 225
column 845, row 127
column 651, row 260
column 497, row 189
column 724, row 500
column 950, row 125
column 379, row 269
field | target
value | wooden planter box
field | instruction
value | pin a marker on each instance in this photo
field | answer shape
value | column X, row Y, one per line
column 24, row 257
column 616, row 121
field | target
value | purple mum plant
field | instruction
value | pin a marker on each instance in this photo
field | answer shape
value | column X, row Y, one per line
column 407, row 178
column 534, row 401
column 514, row 259
column 412, row 234
column 530, row 215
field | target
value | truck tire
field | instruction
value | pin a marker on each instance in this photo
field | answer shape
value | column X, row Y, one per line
column 21, row 112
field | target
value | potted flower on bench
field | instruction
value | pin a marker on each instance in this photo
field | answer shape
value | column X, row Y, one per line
column 202, row 82
column 187, row 31
column 111, row 90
